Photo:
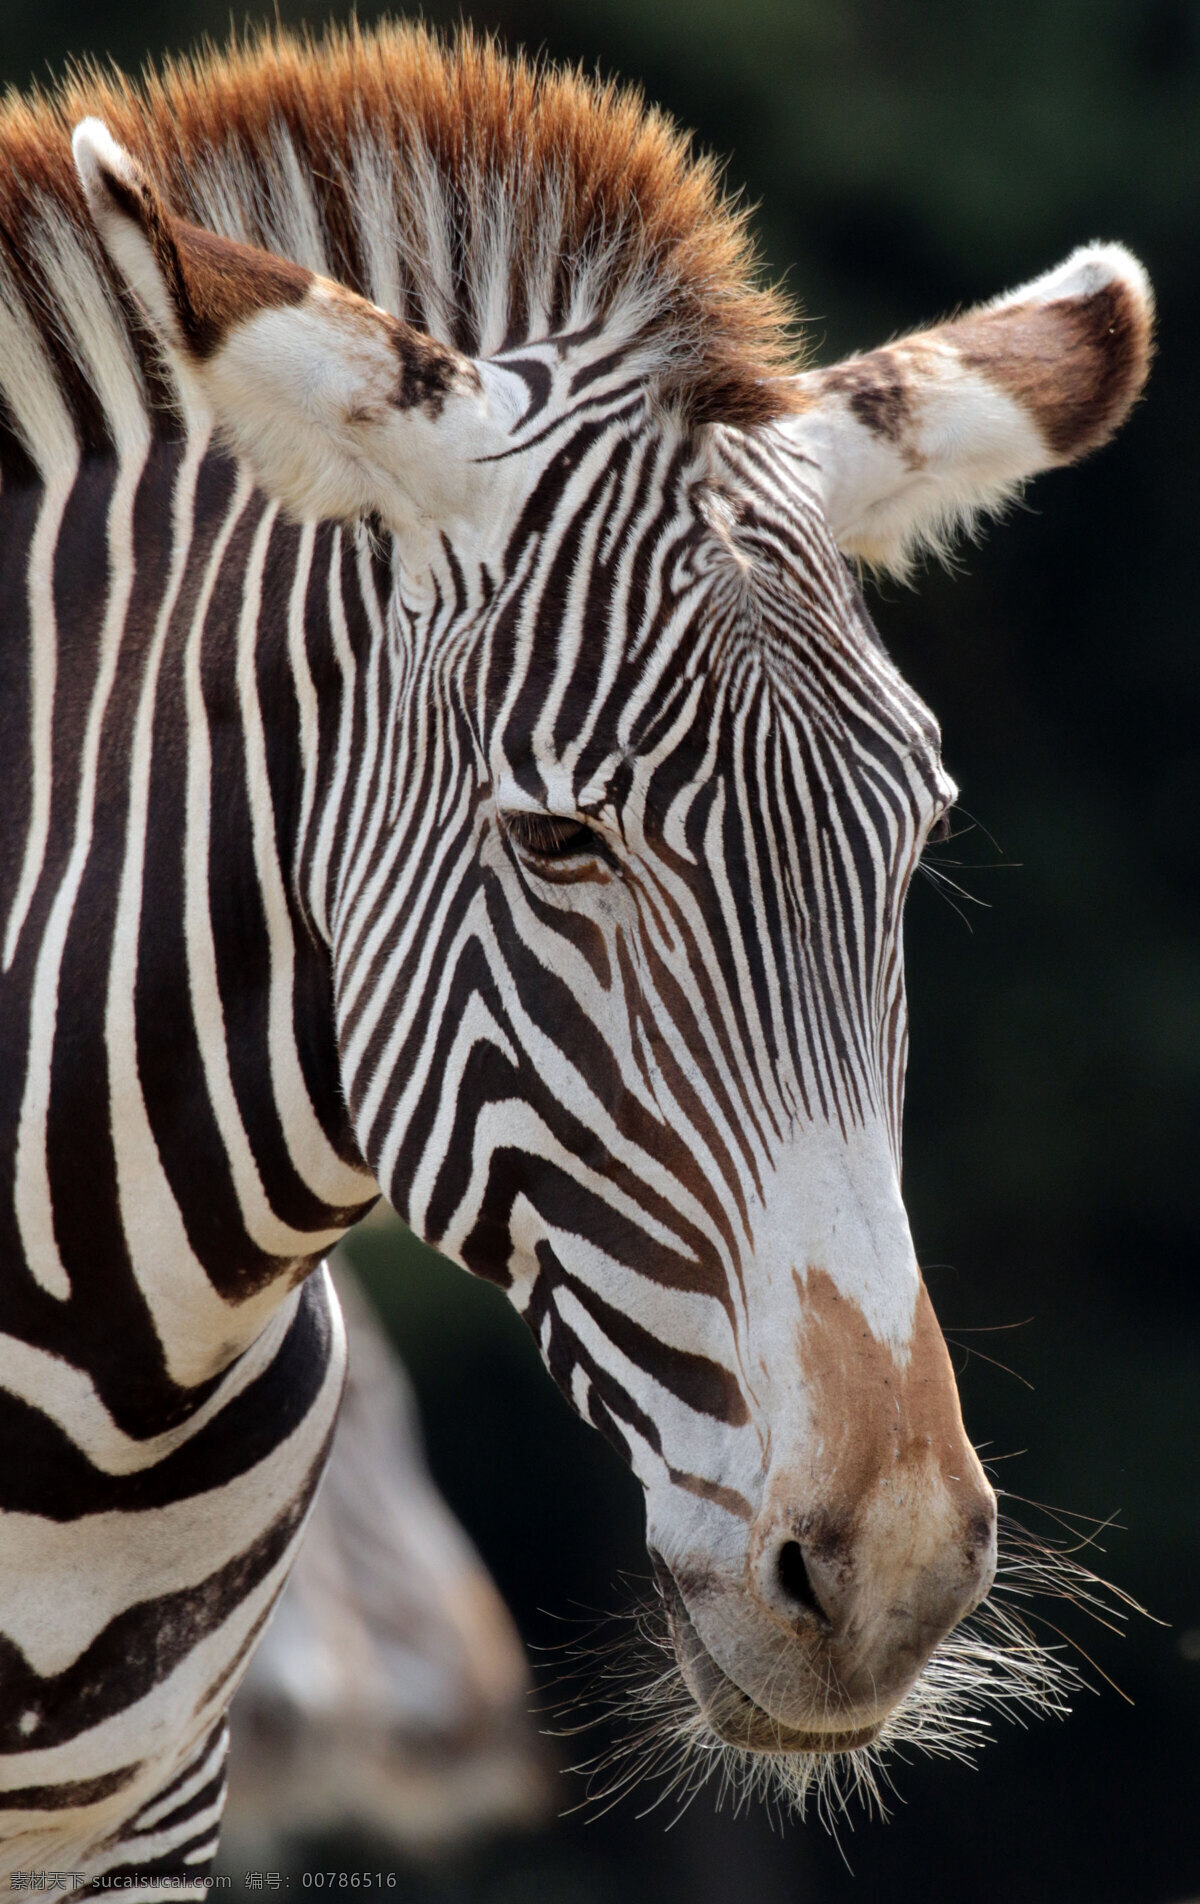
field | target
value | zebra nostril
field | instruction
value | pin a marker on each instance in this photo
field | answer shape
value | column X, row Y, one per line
column 791, row 1570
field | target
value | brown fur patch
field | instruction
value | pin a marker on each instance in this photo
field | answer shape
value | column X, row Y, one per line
column 875, row 389
column 715, row 1491
column 878, row 1421
column 624, row 176
column 227, row 282
column 1077, row 364
column 427, row 371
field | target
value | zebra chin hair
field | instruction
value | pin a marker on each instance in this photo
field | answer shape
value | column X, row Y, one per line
column 622, row 1677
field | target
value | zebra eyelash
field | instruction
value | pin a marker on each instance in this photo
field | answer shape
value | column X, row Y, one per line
column 554, row 839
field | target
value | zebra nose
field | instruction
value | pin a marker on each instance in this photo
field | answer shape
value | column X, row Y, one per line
column 796, row 1589
column 908, row 1575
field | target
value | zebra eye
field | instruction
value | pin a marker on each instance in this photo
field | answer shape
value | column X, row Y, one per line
column 545, row 837
column 941, row 829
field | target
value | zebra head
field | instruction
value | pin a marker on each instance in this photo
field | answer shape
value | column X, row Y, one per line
column 618, row 834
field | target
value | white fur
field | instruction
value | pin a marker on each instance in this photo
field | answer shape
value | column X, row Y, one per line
column 294, row 220
column 974, row 447
column 97, row 155
column 1088, row 270
column 304, row 394
column 371, row 189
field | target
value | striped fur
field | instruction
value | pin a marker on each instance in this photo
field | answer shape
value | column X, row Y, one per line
column 545, row 869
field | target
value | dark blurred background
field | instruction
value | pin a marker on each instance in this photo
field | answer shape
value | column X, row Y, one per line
column 907, row 156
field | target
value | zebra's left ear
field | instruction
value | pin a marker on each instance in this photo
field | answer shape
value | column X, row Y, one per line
column 339, row 409
column 910, row 443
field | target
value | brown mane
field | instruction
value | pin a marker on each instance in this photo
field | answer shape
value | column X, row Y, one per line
column 571, row 196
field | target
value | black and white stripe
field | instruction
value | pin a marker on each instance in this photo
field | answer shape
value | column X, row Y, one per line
column 273, row 937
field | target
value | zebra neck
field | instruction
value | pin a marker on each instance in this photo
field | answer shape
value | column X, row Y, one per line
column 171, row 1091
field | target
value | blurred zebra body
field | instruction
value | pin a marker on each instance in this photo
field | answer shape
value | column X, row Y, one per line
column 527, row 831
column 390, row 1689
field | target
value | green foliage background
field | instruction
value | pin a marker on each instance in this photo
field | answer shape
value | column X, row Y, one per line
column 906, row 156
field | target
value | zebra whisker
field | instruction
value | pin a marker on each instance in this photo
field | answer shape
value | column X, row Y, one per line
column 623, row 1679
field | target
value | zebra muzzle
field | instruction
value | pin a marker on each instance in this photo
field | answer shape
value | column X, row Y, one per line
column 821, row 1637
column 873, row 1536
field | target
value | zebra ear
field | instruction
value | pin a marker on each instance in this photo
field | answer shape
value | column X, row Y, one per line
column 339, row 409
column 910, row 443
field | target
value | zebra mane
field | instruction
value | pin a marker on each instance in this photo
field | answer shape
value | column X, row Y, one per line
column 484, row 199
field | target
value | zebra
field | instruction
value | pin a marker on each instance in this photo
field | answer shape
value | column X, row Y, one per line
column 448, row 755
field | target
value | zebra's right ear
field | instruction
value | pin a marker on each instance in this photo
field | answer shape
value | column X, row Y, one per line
column 339, row 409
